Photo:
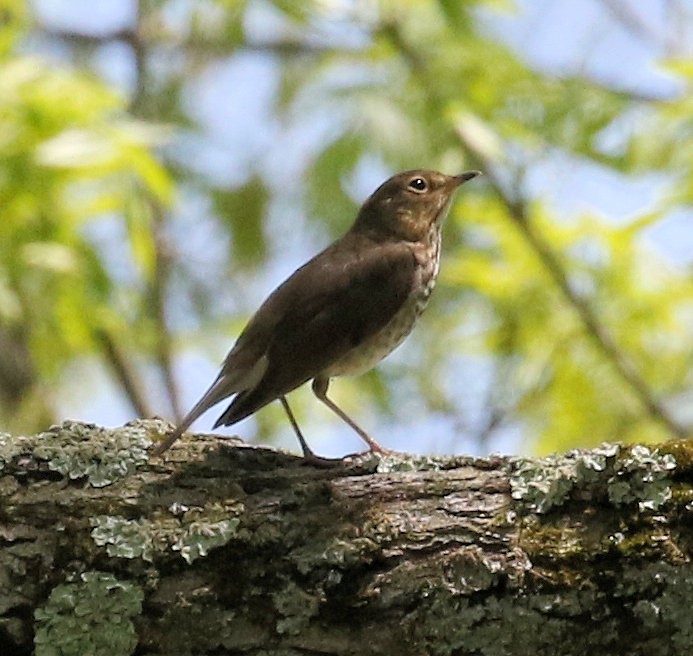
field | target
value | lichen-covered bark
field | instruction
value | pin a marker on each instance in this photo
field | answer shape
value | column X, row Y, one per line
column 230, row 549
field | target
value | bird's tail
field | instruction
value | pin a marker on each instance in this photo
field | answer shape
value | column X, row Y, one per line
column 218, row 391
column 243, row 406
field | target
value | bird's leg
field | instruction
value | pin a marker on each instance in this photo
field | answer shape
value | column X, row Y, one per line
column 320, row 386
column 308, row 453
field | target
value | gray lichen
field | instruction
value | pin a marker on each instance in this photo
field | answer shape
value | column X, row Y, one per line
column 129, row 538
column 101, row 455
column 641, row 475
column 89, row 616
column 12, row 446
column 404, row 462
column 198, row 538
column 628, row 474
column 193, row 534
column 396, row 461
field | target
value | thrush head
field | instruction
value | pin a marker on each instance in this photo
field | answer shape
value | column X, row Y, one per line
column 409, row 204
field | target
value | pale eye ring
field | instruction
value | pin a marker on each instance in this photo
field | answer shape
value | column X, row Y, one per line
column 419, row 185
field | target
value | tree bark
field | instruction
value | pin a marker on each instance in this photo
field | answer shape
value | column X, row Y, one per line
column 225, row 548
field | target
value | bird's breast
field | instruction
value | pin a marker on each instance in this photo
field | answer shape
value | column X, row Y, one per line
column 374, row 348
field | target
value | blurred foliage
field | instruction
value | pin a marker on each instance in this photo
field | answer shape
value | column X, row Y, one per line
column 99, row 258
column 70, row 155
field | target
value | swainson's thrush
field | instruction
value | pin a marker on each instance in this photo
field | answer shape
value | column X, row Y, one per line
column 344, row 310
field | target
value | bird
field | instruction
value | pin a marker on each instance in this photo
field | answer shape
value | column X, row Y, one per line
column 343, row 311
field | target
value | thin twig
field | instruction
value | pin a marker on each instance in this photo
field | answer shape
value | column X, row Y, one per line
column 128, row 377
column 158, row 288
column 630, row 20
column 282, row 47
column 158, row 283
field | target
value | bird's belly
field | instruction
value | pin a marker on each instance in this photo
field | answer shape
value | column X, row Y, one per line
column 367, row 354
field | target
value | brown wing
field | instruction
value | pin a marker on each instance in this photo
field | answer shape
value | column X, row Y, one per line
column 325, row 309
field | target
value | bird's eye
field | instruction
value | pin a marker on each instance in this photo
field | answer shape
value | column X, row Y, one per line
column 418, row 185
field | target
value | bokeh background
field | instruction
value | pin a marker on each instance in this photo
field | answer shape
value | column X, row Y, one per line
column 165, row 164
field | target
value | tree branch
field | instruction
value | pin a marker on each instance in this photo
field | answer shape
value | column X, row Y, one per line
column 230, row 549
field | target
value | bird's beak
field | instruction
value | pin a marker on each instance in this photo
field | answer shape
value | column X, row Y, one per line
column 464, row 177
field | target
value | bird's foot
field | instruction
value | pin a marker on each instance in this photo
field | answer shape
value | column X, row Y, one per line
column 310, row 458
column 351, row 459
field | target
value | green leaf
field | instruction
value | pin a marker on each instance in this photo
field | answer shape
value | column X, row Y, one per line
column 243, row 211
column 327, row 198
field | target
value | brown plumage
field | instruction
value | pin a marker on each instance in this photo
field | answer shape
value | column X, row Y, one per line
column 344, row 310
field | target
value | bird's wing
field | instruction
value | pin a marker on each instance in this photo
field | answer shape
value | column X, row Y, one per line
column 326, row 308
